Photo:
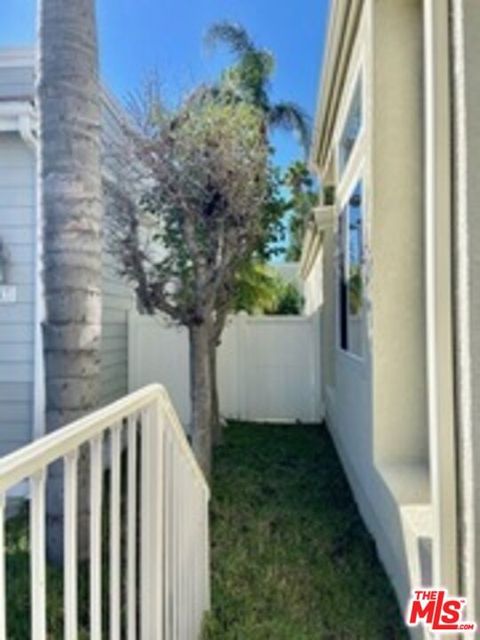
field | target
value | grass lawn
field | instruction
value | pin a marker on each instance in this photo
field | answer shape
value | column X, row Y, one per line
column 291, row 557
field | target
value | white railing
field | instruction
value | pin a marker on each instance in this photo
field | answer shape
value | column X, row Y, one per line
column 159, row 593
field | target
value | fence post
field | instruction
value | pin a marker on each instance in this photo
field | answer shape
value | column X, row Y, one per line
column 242, row 355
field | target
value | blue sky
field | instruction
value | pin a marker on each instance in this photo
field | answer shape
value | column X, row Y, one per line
column 137, row 36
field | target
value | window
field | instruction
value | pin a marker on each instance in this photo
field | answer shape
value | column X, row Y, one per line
column 351, row 128
column 351, row 280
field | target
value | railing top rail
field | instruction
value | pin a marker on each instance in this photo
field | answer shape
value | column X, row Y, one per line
column 31, row 459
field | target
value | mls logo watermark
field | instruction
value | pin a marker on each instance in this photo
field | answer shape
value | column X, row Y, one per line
column 438, row 611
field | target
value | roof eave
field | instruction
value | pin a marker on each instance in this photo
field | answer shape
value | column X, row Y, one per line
column 343, row 23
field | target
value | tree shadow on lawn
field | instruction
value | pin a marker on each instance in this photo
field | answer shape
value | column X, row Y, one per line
column 291, row 558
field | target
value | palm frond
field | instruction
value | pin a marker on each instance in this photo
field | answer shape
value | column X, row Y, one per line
column 291, row 117
column 231, row 34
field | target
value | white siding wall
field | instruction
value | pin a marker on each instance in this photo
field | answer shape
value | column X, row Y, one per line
column 117, row 302
column 15, row 82
column 17, row 231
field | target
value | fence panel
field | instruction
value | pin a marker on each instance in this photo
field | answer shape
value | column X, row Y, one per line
column 268, row 366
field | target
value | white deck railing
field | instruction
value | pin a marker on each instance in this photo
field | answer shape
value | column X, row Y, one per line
column 166, row 517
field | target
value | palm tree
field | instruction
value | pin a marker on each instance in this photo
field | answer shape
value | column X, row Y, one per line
column 71, row 201
column 249, row 79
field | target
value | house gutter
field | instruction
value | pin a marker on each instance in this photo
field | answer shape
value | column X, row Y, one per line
column 439, row 293
column 466, row 271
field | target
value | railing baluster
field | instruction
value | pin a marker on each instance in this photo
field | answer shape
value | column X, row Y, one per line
column 3, row 599
column 96, row 483
column 183, row 614
column 132, row 530
column 167, row 463
column 70, row 545
column 206, row 546
column 171, row 498
column 188, row 552
column 115, row 555
column 38, row 553
column 146, row 603
column 175, row 542
column 196, row 555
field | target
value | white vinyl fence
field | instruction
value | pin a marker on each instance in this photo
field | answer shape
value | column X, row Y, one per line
column 268, row 366
column 166, row 518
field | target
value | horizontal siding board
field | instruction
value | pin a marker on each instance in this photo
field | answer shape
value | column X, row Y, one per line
column 16, row 217
column 14, row 153
column 114, row 316
column 16, row 333
column 22, row 274
column 22, row 256
column 114, row 358
column 17, row 236
column 21, row 352
column 16, row 177
column 16, row 313
column 16, row 81
column 116, row 303
column 17, row 197
column 25, row 292
column 16, row 413
column 16, row 392
column 16, row 372
column 114, row 342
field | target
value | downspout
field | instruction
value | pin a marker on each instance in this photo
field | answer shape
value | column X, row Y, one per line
column 439, row 294
column 27, row 133
column 468, row 502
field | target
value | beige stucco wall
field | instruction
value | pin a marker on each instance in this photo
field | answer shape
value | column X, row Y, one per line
column 376, row 405
column 313, row 286
column 397, row 284
column 466, row 15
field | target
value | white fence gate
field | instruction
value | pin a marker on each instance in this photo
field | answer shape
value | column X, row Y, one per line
column 268, row 366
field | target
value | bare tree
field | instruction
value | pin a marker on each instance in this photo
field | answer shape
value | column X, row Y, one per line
column 71, row 197
column 196, row 219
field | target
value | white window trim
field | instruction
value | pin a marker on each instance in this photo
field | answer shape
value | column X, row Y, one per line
column 358, row 176
column 357, row 75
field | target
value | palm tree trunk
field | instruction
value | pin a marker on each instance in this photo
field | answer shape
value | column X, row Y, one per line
column 71, row 200
column 201, row 394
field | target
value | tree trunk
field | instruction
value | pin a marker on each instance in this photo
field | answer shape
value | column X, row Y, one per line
column 217, row 429
column 200, row 394
column 218, row 327
column 71, row 201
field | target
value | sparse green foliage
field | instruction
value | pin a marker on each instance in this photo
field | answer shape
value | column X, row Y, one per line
column 304, row 197
column 290, row 300
column 248, row 80
column 203, row 210
column 261, row 290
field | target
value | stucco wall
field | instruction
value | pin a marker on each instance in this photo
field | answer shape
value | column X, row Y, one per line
column 467, row 292
column 313, row 286
column 398, row 292
column 375, row 405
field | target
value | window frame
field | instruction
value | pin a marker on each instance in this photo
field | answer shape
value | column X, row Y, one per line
column 358, row 177
column 357, row 77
